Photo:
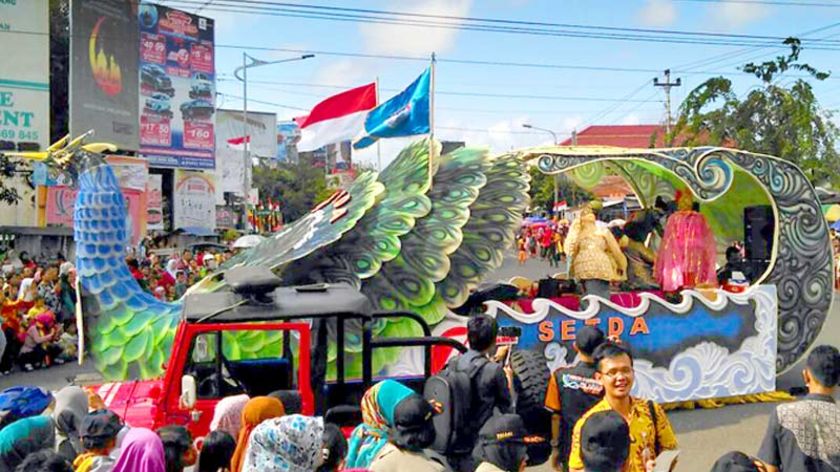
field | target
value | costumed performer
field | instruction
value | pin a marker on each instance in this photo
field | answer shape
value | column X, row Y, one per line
column 688, row 252
column 596, row 258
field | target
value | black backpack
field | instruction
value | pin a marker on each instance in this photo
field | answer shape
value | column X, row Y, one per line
column 452, row 392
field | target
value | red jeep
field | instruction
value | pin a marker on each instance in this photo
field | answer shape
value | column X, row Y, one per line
column 202, row 368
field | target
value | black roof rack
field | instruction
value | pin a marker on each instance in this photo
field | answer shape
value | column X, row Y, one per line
column 287, row 303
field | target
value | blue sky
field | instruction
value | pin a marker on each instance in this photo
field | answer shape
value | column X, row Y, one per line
column 498, row 120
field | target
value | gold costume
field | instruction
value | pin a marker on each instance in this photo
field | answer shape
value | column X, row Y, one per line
column 594, row 251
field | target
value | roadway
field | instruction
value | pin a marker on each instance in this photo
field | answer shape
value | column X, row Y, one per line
column 704, row 434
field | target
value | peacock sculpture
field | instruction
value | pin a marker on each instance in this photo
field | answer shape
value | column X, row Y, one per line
column 417, row 236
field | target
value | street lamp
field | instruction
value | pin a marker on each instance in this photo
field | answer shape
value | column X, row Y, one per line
column 254, row 62
column 556, row 142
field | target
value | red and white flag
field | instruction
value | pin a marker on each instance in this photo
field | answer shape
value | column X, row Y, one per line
column 337, row 118
column 238, row 142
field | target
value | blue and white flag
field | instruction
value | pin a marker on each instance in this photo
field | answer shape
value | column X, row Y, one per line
column 406, row 114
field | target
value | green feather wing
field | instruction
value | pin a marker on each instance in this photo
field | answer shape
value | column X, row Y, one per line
column 321, row 227
column 408, row 282
column 376, row 239
column 491, row 229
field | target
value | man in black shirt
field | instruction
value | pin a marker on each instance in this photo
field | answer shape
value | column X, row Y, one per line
column 805, row 435
column 572, row 391
column 490, row 382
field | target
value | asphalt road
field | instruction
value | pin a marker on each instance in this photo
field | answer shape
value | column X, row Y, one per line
column 704, row 434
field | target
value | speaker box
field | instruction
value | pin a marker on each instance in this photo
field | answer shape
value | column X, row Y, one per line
column 759, row 227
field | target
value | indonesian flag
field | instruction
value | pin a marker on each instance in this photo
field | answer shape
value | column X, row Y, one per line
column 337, row 118
column 238, row 143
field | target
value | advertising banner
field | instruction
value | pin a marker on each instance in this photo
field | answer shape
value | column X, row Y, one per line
column 24, row 80
column 61, row 199
column 132, row 172
column 103, row 71
column 194, row 200
column 288, row 135
column 230, row 144
column 154, row 203
column 177, row 88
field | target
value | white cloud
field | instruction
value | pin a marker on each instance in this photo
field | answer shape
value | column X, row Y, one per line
column 403, row 39
column 344, row 72
column 631, row 119
column 658, row 13
column 734, row 15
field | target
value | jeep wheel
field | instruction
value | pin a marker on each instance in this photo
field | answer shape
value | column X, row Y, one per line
column 531, row 375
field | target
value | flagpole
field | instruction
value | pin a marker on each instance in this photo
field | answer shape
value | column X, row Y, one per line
column 431, row 117
column 378, row 148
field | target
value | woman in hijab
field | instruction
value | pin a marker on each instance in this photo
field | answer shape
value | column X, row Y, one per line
column 71, row 407
column 227, row 416
column 501, row 445
column 142, row 451
column 23, row 437
column 378, row 405
column 292, row 443
column 256, row 410
column 67, row 282
column 411, row 433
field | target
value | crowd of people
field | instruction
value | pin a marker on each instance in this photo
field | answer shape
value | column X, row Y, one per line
column 602, row 427
column 38, row 300
column 544, row 241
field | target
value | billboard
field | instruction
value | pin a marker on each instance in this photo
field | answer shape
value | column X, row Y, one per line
column 103, row 71
column 194, row 200
column 230, row 130
column 177, row 88
column 288, row 135
column 154, row 203
column 24, row 78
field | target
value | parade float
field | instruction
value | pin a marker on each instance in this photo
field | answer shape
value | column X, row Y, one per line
column 420, row 236
column 701, row 343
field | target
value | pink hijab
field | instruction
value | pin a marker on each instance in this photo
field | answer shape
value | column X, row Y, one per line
column 142, row 451
column 227, row 416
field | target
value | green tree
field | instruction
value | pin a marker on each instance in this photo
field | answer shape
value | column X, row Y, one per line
column 297, row 186
column 780, row 119
column 542, row 190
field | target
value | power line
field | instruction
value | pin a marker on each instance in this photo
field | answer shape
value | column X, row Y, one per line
column 359, row 12
column 719, row 39
column 478, row 94
column 771, row 2
column 494, row 63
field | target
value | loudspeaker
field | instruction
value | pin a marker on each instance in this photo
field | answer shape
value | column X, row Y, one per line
column 759, row 227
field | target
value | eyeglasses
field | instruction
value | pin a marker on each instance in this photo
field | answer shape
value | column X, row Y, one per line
column 613, row 373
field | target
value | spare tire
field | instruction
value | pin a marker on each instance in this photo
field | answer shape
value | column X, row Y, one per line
column 531, row 376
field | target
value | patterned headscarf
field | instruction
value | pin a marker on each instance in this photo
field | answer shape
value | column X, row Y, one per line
column 378, row 405
column 289, row 444
column 227, row 416
column 257, row 410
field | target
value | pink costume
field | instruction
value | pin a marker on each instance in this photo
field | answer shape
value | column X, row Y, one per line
column 687, row 255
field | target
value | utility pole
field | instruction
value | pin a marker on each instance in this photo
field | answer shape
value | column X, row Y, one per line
column 667, row 87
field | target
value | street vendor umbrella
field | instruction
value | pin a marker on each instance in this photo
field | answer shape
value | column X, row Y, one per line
column 248, row 241
column 835, row 226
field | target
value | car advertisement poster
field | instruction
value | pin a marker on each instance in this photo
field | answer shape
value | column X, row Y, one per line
column 194, row 200
column 154, row 203
column 24, row 85
column 103, row 71
column 177, row 88
column 230, row 146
